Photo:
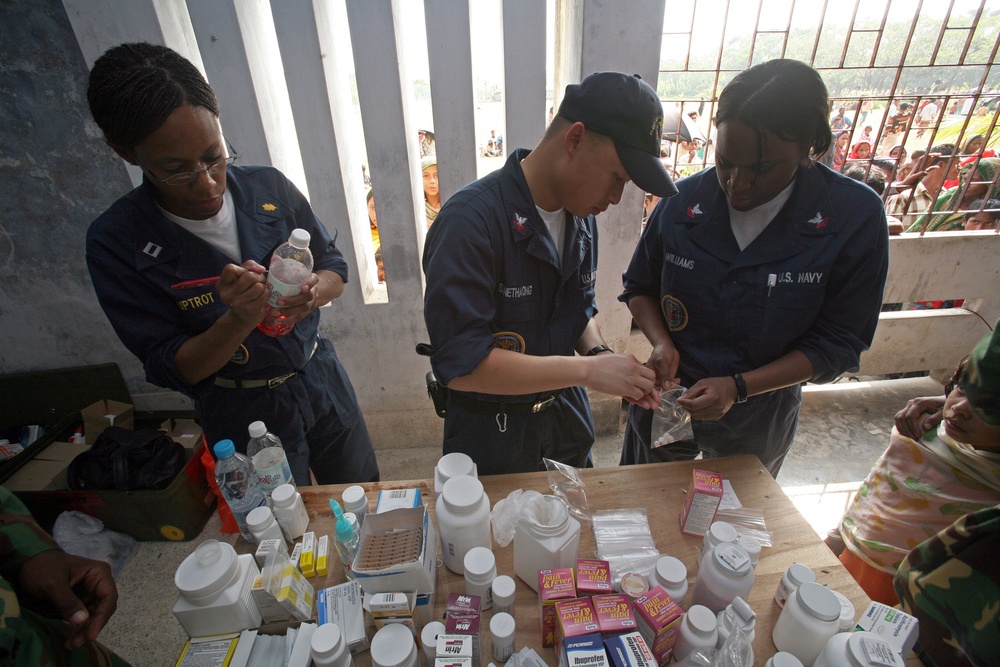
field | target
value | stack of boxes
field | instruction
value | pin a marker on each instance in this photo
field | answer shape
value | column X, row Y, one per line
column 464, row 619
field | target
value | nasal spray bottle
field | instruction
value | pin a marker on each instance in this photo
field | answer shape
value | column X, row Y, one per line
column 347, row 539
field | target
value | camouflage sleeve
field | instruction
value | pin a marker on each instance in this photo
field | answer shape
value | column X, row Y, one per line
column 20, row 537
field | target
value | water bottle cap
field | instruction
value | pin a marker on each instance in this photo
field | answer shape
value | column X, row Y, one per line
column 257, row 429
column 299, row 238
column 345, row 533
column 224, row 449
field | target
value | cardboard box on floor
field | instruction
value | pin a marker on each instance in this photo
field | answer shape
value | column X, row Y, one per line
column 104, row 413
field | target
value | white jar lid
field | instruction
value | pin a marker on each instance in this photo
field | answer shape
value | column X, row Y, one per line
column 392, row 646
column 462, row 494
column 783, row 659
column 503, row 588
column 429, row 635
column 800, row 574
column 479, row 561
column 751, row 544
column 454, row 465
column 818, row 601
column 354, row 495
column 502, row 627
column 259, row 517
column 206, row 571
column 721, row 531
column 327, row 640
column 283, row 495
column 701, row 619
column 732, row 559
column 670, row 571
column 867, row 648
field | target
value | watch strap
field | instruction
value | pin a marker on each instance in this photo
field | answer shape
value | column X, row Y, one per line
column 741, row 388
column 594, row 351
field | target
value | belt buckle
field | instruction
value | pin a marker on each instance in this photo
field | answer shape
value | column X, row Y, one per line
column 282, row 379
column 542, row 404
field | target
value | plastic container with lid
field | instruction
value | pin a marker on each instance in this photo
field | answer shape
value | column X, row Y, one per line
column 504, row 590
column 502, row 630
column 355, row 500
column 752, row 546
column 480, row 571
column 634, row 585
column 546, row 537
column 453, row 465
column 720, row 532
column 328, row 647
column 290, row 511
column 782, row 659
column 263, row 526
column 796, row 575
column 393, row 646
column 738, row 613
column 697, row 631
column 215, row 591
column 848, row 615
column 858, row 649
column 724, row 574
column 811, row 616
column 670, row 574
column 463, row 517
column 428, row 640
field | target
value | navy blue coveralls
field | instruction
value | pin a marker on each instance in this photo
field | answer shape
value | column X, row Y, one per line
column 826, row 253
column 135, row 254
column 493, row 280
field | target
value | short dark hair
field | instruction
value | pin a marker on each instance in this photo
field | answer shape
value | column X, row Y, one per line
column 785, row 97
column 990, row 207
column 134, row 88
column 940, row 153
column 872, row 179
column 886, row 163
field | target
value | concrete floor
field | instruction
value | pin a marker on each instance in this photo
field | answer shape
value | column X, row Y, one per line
column 843, row 428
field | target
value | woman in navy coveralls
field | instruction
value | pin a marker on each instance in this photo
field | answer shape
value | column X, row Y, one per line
column 194, row 216
column 761, row 274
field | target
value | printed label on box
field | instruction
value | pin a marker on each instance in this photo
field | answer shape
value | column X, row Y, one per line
column 593, row 577
column 614, row 614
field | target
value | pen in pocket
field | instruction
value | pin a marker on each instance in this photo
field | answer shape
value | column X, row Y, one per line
column 772, row 280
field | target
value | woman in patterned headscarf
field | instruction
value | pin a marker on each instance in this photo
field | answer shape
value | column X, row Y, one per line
column 946, row 216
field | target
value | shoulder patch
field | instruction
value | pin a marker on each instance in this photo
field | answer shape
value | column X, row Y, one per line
column 508, row 340
column 674, row 313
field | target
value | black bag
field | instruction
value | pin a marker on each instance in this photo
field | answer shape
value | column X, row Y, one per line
column 127, row 460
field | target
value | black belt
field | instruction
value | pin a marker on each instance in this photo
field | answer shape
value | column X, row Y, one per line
column 270, row 383
column 502, row 407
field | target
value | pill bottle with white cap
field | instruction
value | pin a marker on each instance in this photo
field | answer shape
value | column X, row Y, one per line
column 858, row 649
column 847, row 612
column 504, row 590
column 502, row 630
column 670, row 574
column 451, row 465
column 261, row 523
column 290, row 511
column 782, row 659
column 753, row 547
column 328, row 647
column 718, row 533
column 480, row 571
column 393, row 646
column 698, row 630
column 811, row 616
column 724, row 574
column 463, row 516
column 428, row 640
column 355, row 500
column 796, row 575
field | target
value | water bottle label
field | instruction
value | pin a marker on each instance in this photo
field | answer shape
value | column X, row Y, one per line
column 273, row 477
column 286, row 277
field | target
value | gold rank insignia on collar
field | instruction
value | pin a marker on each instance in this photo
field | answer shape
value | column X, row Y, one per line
column 267, row 206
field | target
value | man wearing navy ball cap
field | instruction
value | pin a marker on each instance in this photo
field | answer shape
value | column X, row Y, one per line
column 511, row 265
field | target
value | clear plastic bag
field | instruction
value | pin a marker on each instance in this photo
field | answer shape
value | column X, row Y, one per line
column 566, row 482
column 524, row 504
column 747, row 521
column 505, row 516
column 83, row 535
column 671, row 423
column 623, row 539
column 735, row 652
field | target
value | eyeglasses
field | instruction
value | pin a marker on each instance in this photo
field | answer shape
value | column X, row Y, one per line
column 188, row 177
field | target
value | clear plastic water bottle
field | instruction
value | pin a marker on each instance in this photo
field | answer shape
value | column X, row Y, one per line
column 291, row 265
column 237, row 480
column 347, row 544
column 269, row 458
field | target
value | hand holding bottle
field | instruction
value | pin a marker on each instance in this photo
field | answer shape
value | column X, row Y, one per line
column 244, row 289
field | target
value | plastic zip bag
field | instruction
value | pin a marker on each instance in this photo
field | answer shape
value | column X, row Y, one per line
column 671, row 422
column 566, row 482
column 623, row 539
column 747, row 521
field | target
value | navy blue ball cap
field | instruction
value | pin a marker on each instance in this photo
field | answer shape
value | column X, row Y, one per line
column 626, row 109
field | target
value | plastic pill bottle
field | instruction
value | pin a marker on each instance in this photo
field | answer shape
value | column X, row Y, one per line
column 502, row 629
column 480, row 571
column 725, row 573
column 796, row 575
column 738, row 613
column 214, row 584
column 752, row 546
column 451, row 465
column 328, row 647
column 428, row 639
column 782, row 659
column 670, row 574
column 261, row 523
column 847, row 612
column 463, row 516
column 811, row 616
column 504, row 590
column 289, row 511
column 393, row 646
column 356, row 501
column 720, row 532
column 858, row 649
column 698, row 631
column 545, row 539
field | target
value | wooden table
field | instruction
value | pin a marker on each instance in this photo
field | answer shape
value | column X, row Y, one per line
column 660, row 488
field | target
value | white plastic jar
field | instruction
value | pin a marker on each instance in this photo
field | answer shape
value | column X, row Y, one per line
column 697, row 631
column 328, row 647
column 463, row 516
column 782, row 659
column 356, row 501
column 261, row 523
column 546, row 538
column 393, row 646
column 724, row 574
column 502, row 630
column 504, row 590
column 428, row 640
column 451, row 465
column 214, row 585
column 670, row 574
column 290, row 511
column 796, row 575
column 752, row 546
column 808, row 620
column 848, row 615
column 858, row 649
column 720, row 532
column 738, row 613
column 480, row 571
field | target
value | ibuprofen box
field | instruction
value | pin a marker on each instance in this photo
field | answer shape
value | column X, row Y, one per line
column 629, row 650
column 701, row 503
column 658, row 619
column 553, row 585
column 583, row 651
column 614, row 614
column 593, row 577
column 574, row 618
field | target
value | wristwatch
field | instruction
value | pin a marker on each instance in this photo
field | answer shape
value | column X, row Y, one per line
column 593, row 352
column 741, row 388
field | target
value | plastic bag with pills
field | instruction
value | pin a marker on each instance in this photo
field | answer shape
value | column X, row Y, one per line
column 671, row 422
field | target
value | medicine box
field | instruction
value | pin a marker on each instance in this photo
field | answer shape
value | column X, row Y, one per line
column 574, row 618
column 453, row 662
column 469, row 625
column 894, row 626
column 701, row 503
column 294, row 592
column 614, row 614
column 452, row 647
column 307, row 558
column 629, row 650
column 387, row 608
column 394, row 499
column 342, row 605
column 462, row 603
column 415, row 570
column 593, row 577
column 265, row 547
column 658, row 619
column 553, row 586
column 583, row 651
column 270, row 609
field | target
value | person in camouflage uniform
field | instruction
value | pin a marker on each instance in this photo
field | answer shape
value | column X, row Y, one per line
column 52, row 604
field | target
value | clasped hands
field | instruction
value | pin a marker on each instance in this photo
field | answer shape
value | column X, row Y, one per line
column 708, row 399
column 245, row 290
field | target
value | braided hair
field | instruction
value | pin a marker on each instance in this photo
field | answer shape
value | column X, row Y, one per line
column 134, row 88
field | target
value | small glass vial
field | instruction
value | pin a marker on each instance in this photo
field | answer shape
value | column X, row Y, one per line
column 738, row 613
column 328, row 647
column 782, row 659
column 670, row 574
column 356, row 501
column 261, row 523
column 720, row 532
column 698, row 631
column 428, row 640
column 502, row 629
column 290, row 512
column 393, row 646
column 796, row 575
column 480, row 571
column 504, row 590
column 847, row 613
column 463, row 516
column 858, row 649
column 811, row 616
column 752, row 546
column 725, row 573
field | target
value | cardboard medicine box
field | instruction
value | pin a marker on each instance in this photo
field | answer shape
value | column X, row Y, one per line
column 104, row 413
column 583, row 651
column 593, row 577
column 614, row 614
column 658, row 619
column 416, row 572
column 553, row 586
column 629, row 650
column 574, row 618
column 342, row 605
column 701, row 503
